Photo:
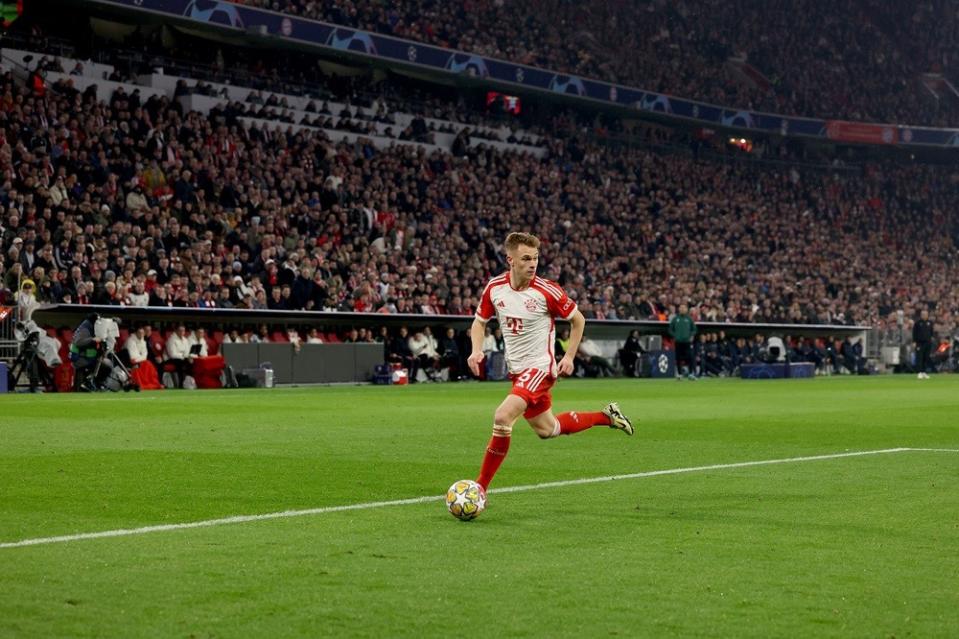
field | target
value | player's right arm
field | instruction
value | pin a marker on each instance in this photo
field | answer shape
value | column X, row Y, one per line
column 484, row 313
column 477, row 333
column 577, row 322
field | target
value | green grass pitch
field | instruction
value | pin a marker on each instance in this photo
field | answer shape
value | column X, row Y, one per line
column 848, row 547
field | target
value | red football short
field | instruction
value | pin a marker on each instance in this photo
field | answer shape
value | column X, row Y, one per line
column 533, row 386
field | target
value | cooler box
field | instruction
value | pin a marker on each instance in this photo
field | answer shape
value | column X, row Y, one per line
column 262, row 376
column 400, row 376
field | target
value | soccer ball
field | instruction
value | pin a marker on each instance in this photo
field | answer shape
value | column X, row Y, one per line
column 466, row 499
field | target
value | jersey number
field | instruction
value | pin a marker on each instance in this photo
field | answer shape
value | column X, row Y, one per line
column 514, row 324
column 524, row 378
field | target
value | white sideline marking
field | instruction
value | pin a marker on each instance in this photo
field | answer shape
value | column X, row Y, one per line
column 239, row 519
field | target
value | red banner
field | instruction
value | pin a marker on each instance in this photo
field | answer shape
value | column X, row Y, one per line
column 861, row 132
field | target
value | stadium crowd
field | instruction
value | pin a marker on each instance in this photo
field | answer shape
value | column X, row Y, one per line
column 288, row 74
column 123, row 202
column 862, row 61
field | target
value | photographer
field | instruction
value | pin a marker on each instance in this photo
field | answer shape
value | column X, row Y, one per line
column 38, row 355
column 85, row 352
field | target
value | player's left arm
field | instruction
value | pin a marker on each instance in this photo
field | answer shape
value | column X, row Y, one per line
column 577, row 323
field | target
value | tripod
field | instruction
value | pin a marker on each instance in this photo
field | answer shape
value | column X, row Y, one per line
column 28, row 361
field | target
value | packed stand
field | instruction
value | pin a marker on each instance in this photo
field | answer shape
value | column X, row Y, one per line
column 140, row 204
column 272, row 78
column 859, row 61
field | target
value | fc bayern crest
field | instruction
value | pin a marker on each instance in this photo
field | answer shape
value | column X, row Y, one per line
column 531, row 306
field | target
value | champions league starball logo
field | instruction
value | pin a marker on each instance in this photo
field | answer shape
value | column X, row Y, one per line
column 741, row 119
column 471, row 65
column 349, row 40
column 567, row 84
column 214, row 12
column 662, row 363
column 655, row 102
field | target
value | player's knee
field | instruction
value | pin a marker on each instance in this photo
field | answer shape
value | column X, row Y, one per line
column 545, row 429
column 502, row 430
column 504, row 418
column 543, row 433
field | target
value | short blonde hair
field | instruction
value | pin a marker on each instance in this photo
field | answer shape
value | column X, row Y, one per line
column 515, row 240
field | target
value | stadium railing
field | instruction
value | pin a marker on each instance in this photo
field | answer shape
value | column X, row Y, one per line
column 9, row 346
column 355, row 362
column 70, row 315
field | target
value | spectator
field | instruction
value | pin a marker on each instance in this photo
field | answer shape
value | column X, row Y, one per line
column 138, row 296
column 399, row 352
column 179, row 355
column 27, row 300
column 594, row 364
column 450, row 357
column 142, row 370
column 630, row 353
column 425, row 356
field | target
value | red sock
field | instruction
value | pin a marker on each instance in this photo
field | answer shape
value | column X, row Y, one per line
column 573, row 422
column 495, row 454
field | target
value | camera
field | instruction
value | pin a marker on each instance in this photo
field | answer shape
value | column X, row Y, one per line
column 38, row 355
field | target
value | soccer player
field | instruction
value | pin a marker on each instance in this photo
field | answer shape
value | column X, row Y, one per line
column 526, row 307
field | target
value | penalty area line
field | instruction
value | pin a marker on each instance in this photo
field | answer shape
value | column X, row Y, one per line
column 240, row 519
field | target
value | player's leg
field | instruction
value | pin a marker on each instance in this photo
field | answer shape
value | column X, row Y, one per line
column 503, row 419
column 540, row 417
column 549, row 425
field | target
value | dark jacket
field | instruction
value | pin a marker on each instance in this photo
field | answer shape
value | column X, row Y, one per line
column 923, row 331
